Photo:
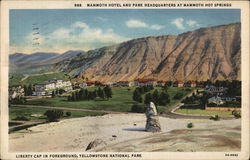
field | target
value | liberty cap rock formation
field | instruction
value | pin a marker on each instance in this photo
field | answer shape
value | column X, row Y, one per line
column 153, row 124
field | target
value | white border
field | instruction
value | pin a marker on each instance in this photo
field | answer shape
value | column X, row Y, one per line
column 243, row 5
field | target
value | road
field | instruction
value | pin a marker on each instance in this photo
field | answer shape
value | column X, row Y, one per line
column 169, row 112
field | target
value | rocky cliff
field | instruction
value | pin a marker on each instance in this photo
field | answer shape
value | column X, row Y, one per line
column 207, row 53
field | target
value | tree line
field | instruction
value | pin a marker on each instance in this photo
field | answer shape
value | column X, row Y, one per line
column 28, row 90
column 159, row 98
column 84, row 94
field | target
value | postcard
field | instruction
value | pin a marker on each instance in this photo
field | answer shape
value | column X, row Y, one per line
column 124, row 80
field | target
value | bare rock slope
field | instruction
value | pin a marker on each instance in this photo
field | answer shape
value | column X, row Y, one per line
column 207, row 53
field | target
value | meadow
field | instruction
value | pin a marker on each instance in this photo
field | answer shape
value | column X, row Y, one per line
column 121, row 100
column 17, row 111
column 202, row 112
column 16, row 78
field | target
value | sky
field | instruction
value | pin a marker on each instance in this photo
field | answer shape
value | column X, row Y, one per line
column 54, row 30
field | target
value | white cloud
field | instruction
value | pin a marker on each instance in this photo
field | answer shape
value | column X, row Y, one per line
column 80, row 25
column 101, row 19
column 178, row 22
column 156, row 27
column 78, row 35
column 139, row 24
column 87, row 38
column 192, row 23
column 136, row 24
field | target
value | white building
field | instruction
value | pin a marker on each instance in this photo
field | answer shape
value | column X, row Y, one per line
column 15, row 92
column 39, row 93
column 122, row 83
column 46, row 89
column 83, row 85
column 216, row 90
column 146, row 82
column 215, row 100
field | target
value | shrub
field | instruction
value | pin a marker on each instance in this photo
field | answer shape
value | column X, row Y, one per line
column 164, row 98
column 18, row 100
column 178, row 95
column 237, row 114
column 53, row 115
column 216, row 118
column 137, row 108
column 68, row 114
column 190, row 125
column 187, row 89
column 21, row 118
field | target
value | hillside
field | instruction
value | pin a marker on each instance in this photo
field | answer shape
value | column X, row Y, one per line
column 37, row 62
column 207, row 53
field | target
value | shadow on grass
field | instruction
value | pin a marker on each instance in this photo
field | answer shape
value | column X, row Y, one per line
column 135, row 129
column 24, row 127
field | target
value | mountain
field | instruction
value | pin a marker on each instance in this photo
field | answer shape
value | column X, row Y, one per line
column 27, row 58
column 37, row 62
column 206, row 53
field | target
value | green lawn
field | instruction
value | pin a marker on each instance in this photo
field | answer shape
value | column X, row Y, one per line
column 41, row 79
column 14, row 79
column 27, row 112
column 121, row 101
column 205, row 112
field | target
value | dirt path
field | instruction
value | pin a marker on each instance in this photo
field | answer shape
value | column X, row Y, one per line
column 73, row 109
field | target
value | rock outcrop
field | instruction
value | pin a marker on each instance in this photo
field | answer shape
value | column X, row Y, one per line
column 96, row 143
column 153, row 124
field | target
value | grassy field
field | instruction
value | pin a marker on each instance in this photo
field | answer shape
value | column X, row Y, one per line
column 28, row 112
column 41, row 78
column 121, row 101
column 15, row 78
column 205, row 112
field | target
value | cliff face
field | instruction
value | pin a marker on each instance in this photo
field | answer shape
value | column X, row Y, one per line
column 207, row 53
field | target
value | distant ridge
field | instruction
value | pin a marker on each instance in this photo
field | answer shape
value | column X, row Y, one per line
column 37, row 62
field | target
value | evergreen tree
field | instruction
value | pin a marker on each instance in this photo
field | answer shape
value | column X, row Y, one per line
column 145, row 88
column 169, row 83
column 140, row 89
column 155, row 97
column 61, row 91
column 81, row 92
column 164, row 98
column 136, row 95
column 69, row 98
column 25, row 90
column 53, row 94
column 165, row 88
column 148, row 98
column 86, row 94
column 77, row 96
column 103, row 95
column 94, row 94
column 99, row 92
column 30, row 90
column 140, row 99
column 151, row 87
column 73, row 98
column 108, row 91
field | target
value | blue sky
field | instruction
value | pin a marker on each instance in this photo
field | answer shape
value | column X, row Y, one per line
column 66, row 29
